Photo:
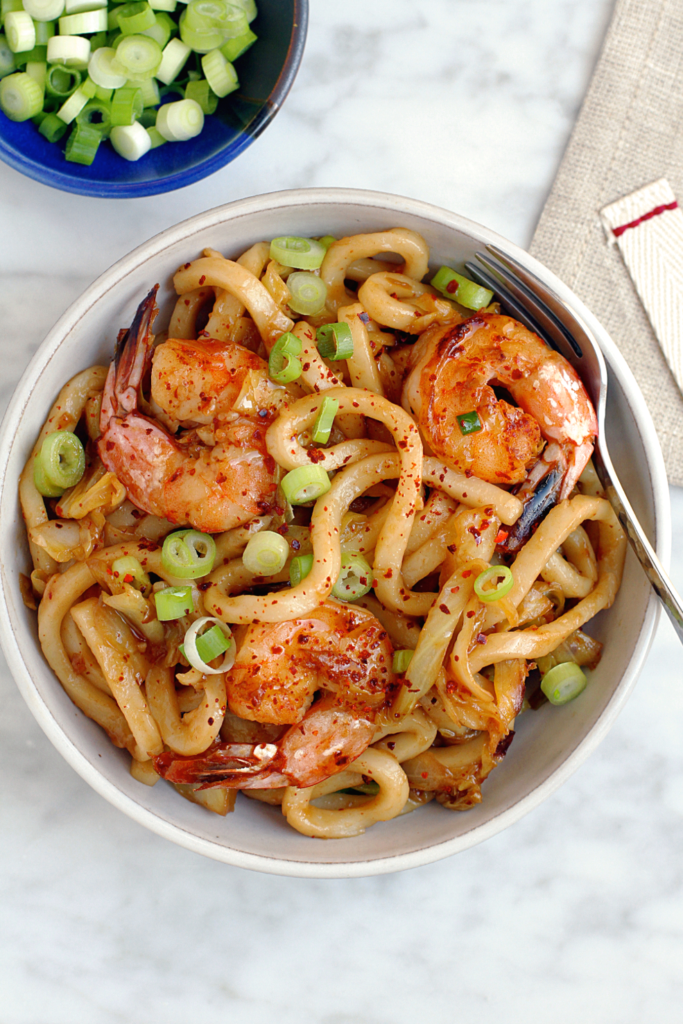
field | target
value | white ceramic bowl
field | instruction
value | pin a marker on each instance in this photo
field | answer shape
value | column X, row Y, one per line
column 550, row 743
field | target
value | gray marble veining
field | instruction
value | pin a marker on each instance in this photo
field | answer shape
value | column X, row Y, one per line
column 574, row 913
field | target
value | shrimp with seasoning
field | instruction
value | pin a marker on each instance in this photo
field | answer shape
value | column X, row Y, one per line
column 212, row 487
column 327, row 676
column 547, row 438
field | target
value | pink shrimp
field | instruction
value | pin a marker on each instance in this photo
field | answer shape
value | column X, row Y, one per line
column 454, row 371
column 182, row 479
column 340, row 652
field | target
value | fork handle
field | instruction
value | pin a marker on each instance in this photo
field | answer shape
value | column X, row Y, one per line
column 655, row 571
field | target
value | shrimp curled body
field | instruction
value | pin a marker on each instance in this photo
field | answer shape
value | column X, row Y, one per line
column 326, row 676
column 213, row 487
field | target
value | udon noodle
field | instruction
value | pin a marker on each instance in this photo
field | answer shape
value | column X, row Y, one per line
column 313, row 709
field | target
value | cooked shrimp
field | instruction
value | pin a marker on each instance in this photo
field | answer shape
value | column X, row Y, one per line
column 454, row 371
column 211, row 487
column 342, row 653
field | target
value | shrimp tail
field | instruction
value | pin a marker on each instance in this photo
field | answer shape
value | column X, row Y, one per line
column 535, row 508
column 130, row 363
column 225, row 765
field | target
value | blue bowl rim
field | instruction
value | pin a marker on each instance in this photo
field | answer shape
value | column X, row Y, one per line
column 128, row 190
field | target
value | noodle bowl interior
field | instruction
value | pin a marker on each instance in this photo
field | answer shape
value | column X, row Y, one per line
column 322, row 537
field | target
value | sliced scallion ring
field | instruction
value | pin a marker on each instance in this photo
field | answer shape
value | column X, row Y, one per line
column 83, row 24
column 300, row 253
column 355, row 578
column 20, row 96
column 20, row 31
column 563, row 683
column 137, row 56
column 490, row 575
column 180, row 121
column 324, row 420
column 188, row 554
column 234, row 48
column 193, row 639
column 299, row 568
column 73, row 51
column 401, row 661
column 101, row 71
column 464, row 291
column 305, row 483
column 62, row 459
column 219, row 73
column 44, row 10
column 173, row 59
column 469, row 423
column 43, row 485
column 327, row 241
column 126, row 105
column 335, row 341
column 308, row 292
column 134, row 18
column 7, row 63
column 173, row 603
column 283, row 366
column 127, row 569
column 82, row 144
column 266, row 553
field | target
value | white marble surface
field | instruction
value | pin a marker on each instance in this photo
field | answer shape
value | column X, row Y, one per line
column 576, row 912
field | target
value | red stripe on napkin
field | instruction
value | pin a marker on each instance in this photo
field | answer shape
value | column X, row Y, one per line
column 646, row 216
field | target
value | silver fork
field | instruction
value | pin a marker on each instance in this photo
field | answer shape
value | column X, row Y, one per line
column 531, row 302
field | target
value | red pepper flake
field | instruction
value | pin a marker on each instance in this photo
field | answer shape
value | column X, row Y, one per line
column 202, row 279
column 502, row 536
column 452, row 287
column 470, row 614
column 467, row 572
column 424, row 775
column 445, row 609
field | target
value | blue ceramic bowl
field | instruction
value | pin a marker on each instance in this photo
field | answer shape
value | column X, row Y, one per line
column 266, row 73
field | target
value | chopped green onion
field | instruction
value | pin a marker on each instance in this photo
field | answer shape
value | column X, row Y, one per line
column 219, row 73
column 266, row 553
column 62, row 458
column 73, row 106
column 162, row 29
column 180, row 121
column 38, row 72
column 164, row 5
column 327, row 241
column 43, row 485
column 234, row 48
column 401, row 661
column 193, row 652
column 308, row 293
column 38, row 53
column 469, row 423
column 464, row 291
column 128, row 570
column 494, row 572
column 355, row 578
column 299, row 568
column 200, row 41
column 84, row 24
column 19, row 31
column 52, row 128
column 126, row 105
column 45, row 30
column 563, row 683
column 134, row 18
column 283, row 366
column 96, row 114
column 89, row 88
column 73, row 51
column 301, row 253
column 44, row 10
column 75, row 6
column 98, row 41
column 248, row 6
column 173, row 602
column 305, row 483
column 61, row 81
column 101, row 71
column 20, row 96
column 149, row 90
column 335, row 341
column 138, row 56
column 224, row 16
column 173, row 59
column 156, row 139
column 82, row 144
column 7, row 64
column 202, row 93
column 324, row 420
column 188, row 554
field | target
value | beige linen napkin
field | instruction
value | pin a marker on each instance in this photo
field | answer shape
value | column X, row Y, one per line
column 628, row 135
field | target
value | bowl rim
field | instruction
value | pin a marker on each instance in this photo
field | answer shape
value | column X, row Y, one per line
column 397, row 206
column 63, row 181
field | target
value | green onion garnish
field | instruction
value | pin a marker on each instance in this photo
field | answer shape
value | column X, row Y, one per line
column 355, row 578
column 219, row 73
column 61, row 460
column 180, row 121
column 324, row 420
column 401, row 661
column 173, row 602
column 188, row 554
column 327, row 241
column 216, row 640
column 234, row 48
column 305, row 483
column 101, row 71
column 62, row 81
column 131, row 141
column 126, row 105
column 82, row 144
column 20, row 96
column 469, row 423
column 308, row 291
column 299, row 568
column 283, row 366
column 133, row 18
column 563, row 683
column 128, row 570
column 7, row 65
column 494, row 572
column 266, row 553
column 202, row 93
column 335, row 341
column 43, row 485
column 464, row 291
column 19, row 31
column 44, row 10
column 300, row 253
column 52, row 127
column 96, row 114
